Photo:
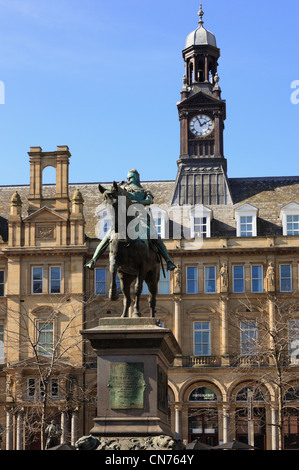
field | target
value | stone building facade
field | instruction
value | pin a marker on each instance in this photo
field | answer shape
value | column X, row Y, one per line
column 232, row 303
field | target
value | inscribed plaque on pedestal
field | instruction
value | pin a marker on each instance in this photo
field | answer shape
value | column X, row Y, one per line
column 126, row 385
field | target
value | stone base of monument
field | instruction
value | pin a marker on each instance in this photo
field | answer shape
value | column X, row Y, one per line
column 129, row 443
column 133, row 359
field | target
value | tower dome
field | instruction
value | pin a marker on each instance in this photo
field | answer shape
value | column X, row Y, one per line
column 201, row 36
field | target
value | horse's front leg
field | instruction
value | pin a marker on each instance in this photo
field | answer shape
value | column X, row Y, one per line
column 113, row 294
column 125, row 285
column 138, row 289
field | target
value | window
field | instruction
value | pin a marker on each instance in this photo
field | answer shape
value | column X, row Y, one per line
column 54, row 388
column 37, row 280
column 105, row 222
column 200, row 226
column 202, row 338
column 248, row 337
column 285, row 278
column 100, row 281
column 202, row 394
column 246, row 229
column 158, row 225
column 238, row 279
column 289, row 215
column 192, row 280
column 2, row 283
column 55, row 279
column 164, row 283
column 31, row 389
column 1, row 344
column 160, row 218
column 210, row 279
column 257, row 278
column 246, row 219
column 294, row 341
column 106, row 226
column 200, row 222
column 292, row 224
column 45, row 338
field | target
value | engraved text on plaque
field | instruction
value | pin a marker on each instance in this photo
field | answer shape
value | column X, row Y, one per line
column 126, row 385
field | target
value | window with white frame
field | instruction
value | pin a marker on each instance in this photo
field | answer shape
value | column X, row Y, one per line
column 160, row 218
column 163, row 286
column 248, row 339
column 2, row 283
column 246, row 220
column 55, row 279
column 238, row 279
column 37, row 280
column 294, row 341
column 191, row 280
column 45, row 337
column 1, row 343
column 257, row 279
column 210, row 279
column 105, row 222
column 285, row 271
column 292, row 224
column 201, row 217
column 202, row 338
column 289, row 215
column 100, row 281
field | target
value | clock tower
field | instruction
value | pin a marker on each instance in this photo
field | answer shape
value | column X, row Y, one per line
column 201, row 177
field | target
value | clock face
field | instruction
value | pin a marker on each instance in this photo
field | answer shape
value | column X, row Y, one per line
column 201, row 125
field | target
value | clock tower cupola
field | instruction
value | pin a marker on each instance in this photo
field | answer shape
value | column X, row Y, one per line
column 202, row 166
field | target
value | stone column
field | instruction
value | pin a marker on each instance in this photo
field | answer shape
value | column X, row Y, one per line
column 225, row 435
column 19, row 443
column 273, row 428
column 74, row 427
column 178, row 422
column 63, row 425
column 9, row 429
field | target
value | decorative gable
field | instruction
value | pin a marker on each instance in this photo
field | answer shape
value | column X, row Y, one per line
column 45, row 227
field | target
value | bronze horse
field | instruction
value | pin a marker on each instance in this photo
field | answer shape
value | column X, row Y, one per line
column 132, row 259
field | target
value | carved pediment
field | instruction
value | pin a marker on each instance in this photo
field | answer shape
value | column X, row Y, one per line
column 45, row 215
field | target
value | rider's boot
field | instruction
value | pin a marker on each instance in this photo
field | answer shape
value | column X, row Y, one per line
column 163, row 250
column 99, row 250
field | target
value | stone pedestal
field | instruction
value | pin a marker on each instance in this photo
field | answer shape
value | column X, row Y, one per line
column 133, row 358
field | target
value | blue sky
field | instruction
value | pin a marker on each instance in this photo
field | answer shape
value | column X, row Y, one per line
column 104, row 77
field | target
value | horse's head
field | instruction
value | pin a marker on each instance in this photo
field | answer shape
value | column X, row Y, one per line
column 111, row 195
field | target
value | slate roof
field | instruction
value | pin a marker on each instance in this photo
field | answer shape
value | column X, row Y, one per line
column 267, row 193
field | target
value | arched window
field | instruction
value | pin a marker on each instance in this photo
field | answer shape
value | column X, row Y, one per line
column 292, row 394
column 202, row 395
column 245, row 394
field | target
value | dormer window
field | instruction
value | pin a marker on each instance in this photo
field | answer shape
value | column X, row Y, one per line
column 289, row 215
column 246, row 219
column 200, row 222
column 160, row 217
column 104, row 224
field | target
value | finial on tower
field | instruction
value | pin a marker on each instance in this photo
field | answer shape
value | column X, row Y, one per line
column 200, row 14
